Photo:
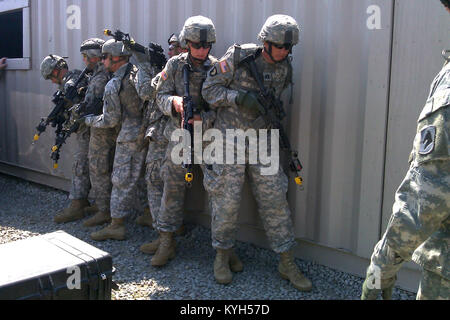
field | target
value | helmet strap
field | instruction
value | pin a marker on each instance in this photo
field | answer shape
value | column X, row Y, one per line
column 201, row 61
column 269, row 53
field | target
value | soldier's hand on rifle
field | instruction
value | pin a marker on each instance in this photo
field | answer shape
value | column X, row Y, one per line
column 249, row 100
column 177, row 104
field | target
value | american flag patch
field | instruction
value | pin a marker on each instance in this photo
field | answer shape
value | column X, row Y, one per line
column 164, row 75
column 224, row 66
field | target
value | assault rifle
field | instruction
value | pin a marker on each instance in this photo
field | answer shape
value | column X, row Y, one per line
column 61, row 100
column 188, row 114
column 273, row 112
column 83, row 111
column 154, row 52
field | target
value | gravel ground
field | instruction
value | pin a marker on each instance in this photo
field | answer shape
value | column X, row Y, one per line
column 27, row 210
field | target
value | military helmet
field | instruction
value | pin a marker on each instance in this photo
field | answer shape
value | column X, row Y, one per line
column 173, row 38
column 280, row 29
column 51, row 62
column 446, row 3
column 115, row 48
column 92, row 47
column 197, row 29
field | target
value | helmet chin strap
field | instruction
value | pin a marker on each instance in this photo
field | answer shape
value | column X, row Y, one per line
column 270, row 54
column 194, row 59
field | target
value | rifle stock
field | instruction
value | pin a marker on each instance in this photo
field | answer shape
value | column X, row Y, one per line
column 154, row 51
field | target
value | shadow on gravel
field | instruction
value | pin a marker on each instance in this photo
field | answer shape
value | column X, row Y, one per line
column 27, row 209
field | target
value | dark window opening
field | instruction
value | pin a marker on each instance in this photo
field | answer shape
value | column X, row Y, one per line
column 11, row 34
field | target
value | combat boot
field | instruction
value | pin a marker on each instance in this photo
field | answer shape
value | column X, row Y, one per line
column 90, row 210
column 289, row 270
column 115, row 231
column 151, row 247
column 74, row 212
column 222, row 272
column 146, row 219
column 235, row 263
column 101, row 217
column 166, row 249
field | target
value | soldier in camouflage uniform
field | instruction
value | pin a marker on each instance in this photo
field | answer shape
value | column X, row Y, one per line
column 157, row 145
column 231, row 90
column 174, row 46
column 55, row 68
column 198, row 35
column 419, row 227
column 102, row 140
column 122, row 109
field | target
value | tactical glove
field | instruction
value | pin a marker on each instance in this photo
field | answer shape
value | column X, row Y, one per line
column 371, row 292
column 249, row 100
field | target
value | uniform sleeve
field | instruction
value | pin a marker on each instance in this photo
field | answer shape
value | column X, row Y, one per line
column 422, row 203
column 96, row 89
column 112, row 111
column 143, row 82
column 216, row 91
column 166, row 89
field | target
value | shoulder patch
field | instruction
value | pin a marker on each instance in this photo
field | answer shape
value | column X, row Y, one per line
column 224, row 66
column 164, row 75
column 213, row 71
column 427, row 140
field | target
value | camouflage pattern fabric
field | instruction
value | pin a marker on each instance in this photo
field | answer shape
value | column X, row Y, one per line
column 433, row 287
column 80, row 184
column 123, row 109
column 171, row 84
column 224, row 183
column 157, row 143
column 102, row 144
column 419, row 226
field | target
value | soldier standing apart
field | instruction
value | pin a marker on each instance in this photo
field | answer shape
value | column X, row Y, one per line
column 231, row 90
column 55, row 68
column 419, row 227
column 198, row 35
column 122, row 109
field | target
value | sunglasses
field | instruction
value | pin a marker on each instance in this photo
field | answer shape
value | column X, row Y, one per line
column 286, row 46
column 104, row 56
column 198, row 45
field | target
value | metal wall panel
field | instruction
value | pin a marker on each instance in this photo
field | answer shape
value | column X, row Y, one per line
column 338, row 120
column 340, row 73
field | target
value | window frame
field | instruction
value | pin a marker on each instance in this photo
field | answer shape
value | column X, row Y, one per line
column 24, row 5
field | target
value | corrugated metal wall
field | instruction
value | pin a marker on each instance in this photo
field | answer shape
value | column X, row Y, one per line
column 342, row 96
